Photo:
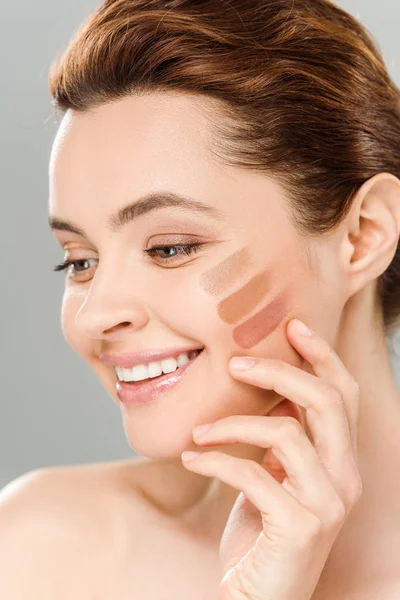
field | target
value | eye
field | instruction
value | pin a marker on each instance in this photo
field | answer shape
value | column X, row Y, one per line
column 67, row 263
column 187, row 250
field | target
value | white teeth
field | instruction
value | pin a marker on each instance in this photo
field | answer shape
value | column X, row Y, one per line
column 136, row 373
column 156, row 368
column 169, row 365
column 182, row 359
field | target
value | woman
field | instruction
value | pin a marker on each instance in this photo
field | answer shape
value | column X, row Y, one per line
column 221, row 170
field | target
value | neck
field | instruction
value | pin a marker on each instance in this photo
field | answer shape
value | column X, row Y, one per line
column 369, row 532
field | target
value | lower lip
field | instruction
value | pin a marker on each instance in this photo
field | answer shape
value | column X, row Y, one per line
column 142, row 393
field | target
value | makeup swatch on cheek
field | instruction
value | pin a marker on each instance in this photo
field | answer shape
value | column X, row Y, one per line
column 217, row 280
column 242, row 302
column 239, row 304
column 262, row 324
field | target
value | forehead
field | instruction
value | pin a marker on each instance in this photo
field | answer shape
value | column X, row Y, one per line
column 144, row 140
column 110, row 156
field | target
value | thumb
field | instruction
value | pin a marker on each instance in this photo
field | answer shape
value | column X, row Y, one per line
column 286, row 408
column 270, row 462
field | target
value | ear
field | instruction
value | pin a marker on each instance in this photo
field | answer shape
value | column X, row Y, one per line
column 373, row 229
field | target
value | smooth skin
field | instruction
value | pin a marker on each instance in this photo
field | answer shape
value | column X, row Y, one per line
column 153, row 515
column 280, row 553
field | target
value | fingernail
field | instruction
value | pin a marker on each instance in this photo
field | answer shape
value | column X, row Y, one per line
column 301, row 328
column 242, row 363
column 190, row 455
column 202, row 429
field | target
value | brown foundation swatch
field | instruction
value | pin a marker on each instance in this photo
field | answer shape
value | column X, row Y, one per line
column 240, row 303
column 261, row 325
column 217, row 279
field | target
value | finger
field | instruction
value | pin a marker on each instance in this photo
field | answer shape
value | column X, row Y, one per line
column 325, row 414
column 308, row 480
column 327, row 365
column 277, row 506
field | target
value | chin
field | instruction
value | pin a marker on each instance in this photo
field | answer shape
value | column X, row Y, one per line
column 163, row 444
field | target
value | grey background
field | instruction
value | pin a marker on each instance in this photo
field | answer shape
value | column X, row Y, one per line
column 54, row 411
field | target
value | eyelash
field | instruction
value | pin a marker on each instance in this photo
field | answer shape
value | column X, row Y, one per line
column 188, row 249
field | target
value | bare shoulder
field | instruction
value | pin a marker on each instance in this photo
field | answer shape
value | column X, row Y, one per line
column 57, row 521
column 78, row 497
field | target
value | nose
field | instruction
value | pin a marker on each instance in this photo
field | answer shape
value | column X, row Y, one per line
column 110, row 312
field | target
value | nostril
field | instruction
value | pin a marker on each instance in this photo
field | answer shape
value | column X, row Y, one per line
column 119, row 326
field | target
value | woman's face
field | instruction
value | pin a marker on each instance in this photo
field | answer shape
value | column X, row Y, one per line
column 250, row 262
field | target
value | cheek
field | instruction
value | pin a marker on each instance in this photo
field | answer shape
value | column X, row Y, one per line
column 255, row 310
column 255, row 316
column 262, row 324
column 189, row 311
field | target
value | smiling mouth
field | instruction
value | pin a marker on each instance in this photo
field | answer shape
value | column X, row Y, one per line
column 195, row 354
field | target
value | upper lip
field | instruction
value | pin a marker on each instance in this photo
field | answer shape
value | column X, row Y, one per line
column 130, row 359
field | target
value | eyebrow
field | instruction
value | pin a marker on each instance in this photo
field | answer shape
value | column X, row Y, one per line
column 144, row 205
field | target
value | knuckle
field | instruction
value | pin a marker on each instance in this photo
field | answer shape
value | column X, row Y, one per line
column 333, row 395
column 225, row 422
column 290, row 427
column 354, row 487
column 327, row 353
column 337, row 513
column 211, row 455
column 355, row 490
column 354, row 387
column 275, row 365
column 250, row 469
column 311, row 529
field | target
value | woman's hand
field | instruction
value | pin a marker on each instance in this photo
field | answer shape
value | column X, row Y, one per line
column 279, row 534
